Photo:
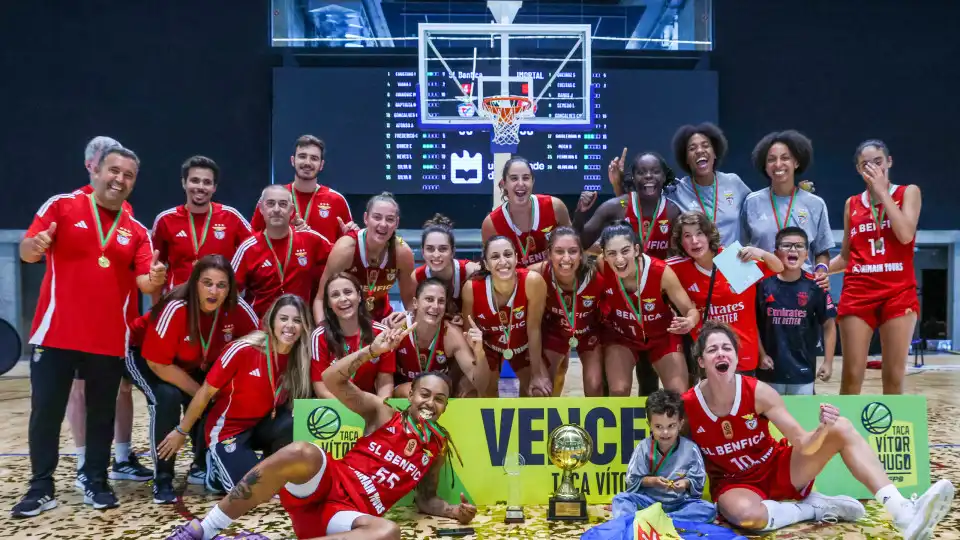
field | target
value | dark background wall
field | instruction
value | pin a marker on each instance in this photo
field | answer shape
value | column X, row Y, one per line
column 181, row 77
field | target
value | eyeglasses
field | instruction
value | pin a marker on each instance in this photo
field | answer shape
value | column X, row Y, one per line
column 792, row 246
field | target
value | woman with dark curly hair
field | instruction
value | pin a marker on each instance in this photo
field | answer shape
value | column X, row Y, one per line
column 643, row 205
column 781, row 156
column 698, row 151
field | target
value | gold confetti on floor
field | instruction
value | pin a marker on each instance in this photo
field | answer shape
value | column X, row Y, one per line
column 139, row 518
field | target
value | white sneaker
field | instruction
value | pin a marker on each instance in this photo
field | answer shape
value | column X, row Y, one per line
column 917, row 521
column 831, row 509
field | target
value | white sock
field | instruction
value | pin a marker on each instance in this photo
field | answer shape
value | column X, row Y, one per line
column 215, row 522
column 891, row 499
column 81, row 457
column 121, row 452
column 782, row 514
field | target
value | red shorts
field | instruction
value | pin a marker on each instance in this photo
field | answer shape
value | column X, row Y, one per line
column 876, row 309
column 311, row 514
column 775, row 485
column 655, row 348
column 519, row 361
column 559, row 342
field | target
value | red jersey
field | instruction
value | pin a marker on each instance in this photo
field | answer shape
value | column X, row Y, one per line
column 375, row 280
column 247, row 393
column 588, row 297
column 133, row 308
column 658, row 227
column 259, row 269
column 531, row 246
column 412, row 360
column 492, row 319
column 218, row 233
column 460, row 277
column 878, row 261
column 167, row 339
column 386, row 465
column 648, row 298
column 737, row 310
column 82, row 305
column 319, row 209
column 366, row 377
column 737, row 445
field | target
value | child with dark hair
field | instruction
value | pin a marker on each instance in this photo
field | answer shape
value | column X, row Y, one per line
column 666, row 467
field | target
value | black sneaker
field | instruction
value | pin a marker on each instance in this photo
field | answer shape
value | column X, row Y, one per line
column 100, row 496
column 163, row 492
column 33, row 504
column 131, row 469
column 197, row 476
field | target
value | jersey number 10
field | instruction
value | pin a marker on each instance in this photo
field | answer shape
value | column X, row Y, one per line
column 744, row 463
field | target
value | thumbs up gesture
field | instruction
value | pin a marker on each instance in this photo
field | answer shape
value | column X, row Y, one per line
column 44, row 239
column 158, row 270
column 464, row 512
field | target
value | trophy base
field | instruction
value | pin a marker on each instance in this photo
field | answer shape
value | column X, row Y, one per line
column 514, row 515
column 567, row 509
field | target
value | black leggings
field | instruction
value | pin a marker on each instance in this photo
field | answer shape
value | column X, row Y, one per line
column 165, row 403
column 235, row 456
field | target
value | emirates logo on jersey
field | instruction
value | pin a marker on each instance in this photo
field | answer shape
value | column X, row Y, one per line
column 219, row 231
column 751, row 420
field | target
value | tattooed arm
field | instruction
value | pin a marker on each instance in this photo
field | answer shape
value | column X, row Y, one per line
column 337, row 379
column 429, row 503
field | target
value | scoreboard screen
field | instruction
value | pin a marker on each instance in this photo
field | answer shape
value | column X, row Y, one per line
column 368, row 119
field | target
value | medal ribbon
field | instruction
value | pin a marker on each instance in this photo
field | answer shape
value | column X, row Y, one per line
column 280, row 269
column 362, row 240
column 432, row 349
column 571, row 314
column 346, row 350
column 423, row 435
column 716, row 190
column 296, row 202
column 205, row 343
column 773, row 206
column 104, row 240
column 523, row 245
column 638, row 211
column 653, row 448
column 633, row 308
column 193, row 230
column 877, row 219
column 274, row 387
column 506, row 332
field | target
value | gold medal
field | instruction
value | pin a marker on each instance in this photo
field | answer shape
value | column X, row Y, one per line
column 370, row 303
column 573, row 342
column 103, row 261
column 508, row 353
column 879, row 244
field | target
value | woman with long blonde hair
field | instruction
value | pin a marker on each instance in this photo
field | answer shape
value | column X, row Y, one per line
column 252, row 386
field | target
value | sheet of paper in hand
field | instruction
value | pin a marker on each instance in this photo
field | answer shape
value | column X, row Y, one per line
column 739, row 274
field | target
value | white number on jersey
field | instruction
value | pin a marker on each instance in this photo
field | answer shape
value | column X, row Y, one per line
column 877, row 247
column 382, row 478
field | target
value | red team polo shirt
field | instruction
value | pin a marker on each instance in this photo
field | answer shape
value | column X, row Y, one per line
column 366, row 377
column 255, row 266
column 246, row 395
column 737, row 310
column 167, row 340
column 319, row 209
column 173, row 237
column 82, row 306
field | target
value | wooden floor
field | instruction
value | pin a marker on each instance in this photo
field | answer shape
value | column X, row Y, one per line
column 138, row 517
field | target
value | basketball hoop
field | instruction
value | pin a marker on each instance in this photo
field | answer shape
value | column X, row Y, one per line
column 506, row 112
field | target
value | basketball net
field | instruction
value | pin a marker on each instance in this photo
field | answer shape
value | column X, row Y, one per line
column 505, row 113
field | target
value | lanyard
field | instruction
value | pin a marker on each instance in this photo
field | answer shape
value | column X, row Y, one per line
column 716, row 188
column 274, row 386
column 634, row 307
column 523, row 245
column 432, row 349
column 104, row 240
column 422, row 429
column 571, row 313
column 280, row 269
column 878, row 217
column 296, row 202
column 638, row 211
column 653, row 448
column 493, row 295
column 205, row 343
column 193, row 230
column 773, row 206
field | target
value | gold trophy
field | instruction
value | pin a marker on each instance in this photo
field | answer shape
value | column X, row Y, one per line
column 512, row 465
column 569, row 447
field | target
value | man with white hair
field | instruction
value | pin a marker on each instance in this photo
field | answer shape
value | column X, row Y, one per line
column 279, row 259
column 126, row 466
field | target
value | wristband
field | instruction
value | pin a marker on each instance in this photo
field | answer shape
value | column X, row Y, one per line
column 180, row 431
column 819, row 266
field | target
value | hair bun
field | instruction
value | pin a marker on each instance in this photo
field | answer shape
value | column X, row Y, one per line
column 439, row 220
